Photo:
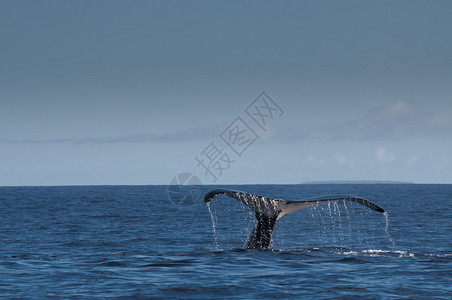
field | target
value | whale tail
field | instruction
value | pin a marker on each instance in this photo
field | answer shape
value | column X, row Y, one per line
column 268, row 211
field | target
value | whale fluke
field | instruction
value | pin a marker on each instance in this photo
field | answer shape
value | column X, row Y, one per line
column 268, row 211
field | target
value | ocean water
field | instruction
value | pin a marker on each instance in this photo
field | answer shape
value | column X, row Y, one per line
column 135, row 242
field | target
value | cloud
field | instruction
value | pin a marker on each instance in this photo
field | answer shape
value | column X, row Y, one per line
column 185, row 135
column 313, row 160
column 388, row 122
column 411, row 161
column 383, row 155
column 393, row 121
column 340, row 158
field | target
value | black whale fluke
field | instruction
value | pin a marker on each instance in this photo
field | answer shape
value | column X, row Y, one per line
column 268, row 211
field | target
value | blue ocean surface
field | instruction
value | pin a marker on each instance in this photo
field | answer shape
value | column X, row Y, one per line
column 135, row 242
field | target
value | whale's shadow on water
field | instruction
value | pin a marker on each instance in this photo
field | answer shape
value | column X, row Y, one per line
column 269, row 211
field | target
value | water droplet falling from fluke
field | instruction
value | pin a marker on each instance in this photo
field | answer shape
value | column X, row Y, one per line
column 214, row 230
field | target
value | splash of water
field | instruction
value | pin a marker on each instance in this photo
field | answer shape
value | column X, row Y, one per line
column 214, row 230
column 335, row 219
column 387, row 230
column 337, row 212
column 333, row 222
column 348, row 218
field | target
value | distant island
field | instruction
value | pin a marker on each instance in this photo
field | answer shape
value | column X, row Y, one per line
column 357, row 182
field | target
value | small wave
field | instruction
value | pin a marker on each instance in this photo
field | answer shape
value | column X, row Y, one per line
column 351, row 259
column 367, row 252
column 330, row 250
column 399, row 253
column 172, row 263
column 376, row 252
column 113, row 263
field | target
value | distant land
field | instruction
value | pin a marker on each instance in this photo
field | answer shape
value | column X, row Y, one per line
column 357, row 182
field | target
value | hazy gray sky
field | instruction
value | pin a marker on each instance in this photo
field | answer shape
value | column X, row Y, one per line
column 130, row 92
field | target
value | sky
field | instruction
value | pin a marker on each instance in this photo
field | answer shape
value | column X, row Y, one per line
column 137, row 92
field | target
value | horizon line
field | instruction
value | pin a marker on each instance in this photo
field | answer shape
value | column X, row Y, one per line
column 351, row 182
